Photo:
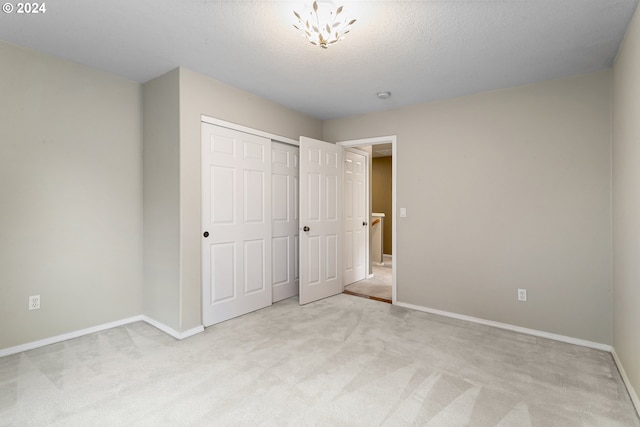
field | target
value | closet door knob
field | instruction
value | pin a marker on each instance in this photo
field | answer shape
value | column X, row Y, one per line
column 305, row 228
column 205, row 234
column 364, row 223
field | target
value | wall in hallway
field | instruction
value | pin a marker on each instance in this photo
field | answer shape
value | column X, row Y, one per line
column 382, row 190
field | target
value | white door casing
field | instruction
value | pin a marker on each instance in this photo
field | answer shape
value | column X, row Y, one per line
column 236, row 218
column 320, row 219
column 356, row 216
column 284, row 216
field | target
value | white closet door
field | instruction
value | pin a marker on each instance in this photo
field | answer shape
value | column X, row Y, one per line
column 356, row 224
column 236, row 223
column 284, row 217
column 320, row 219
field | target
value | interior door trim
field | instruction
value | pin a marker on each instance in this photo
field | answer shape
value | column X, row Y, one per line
column 251, row 131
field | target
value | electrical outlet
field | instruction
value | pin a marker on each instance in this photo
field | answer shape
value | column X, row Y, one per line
column 522, row 294
column 34, row 302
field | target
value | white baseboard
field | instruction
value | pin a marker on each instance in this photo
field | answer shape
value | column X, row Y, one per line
column 625, row 378
column 75, row 334
column 562, row 338
column 534, row 332
column 166, row 329
column 64, row 337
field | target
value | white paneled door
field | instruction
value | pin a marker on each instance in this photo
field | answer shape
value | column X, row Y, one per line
column 284, row 217
column 356, row 224
column 236, row 223
column 320, row 219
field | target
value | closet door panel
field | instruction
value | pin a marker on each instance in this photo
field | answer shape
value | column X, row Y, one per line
column 236, row 223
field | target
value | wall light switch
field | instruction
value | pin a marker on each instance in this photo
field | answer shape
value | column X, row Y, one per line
column 403, row 212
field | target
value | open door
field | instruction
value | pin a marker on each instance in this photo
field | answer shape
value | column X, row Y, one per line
column 356, row 215
column 320, row 219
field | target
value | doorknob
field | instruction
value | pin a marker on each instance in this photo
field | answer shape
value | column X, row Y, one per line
column 205, row 234
column 364, row 223
column 305, row 228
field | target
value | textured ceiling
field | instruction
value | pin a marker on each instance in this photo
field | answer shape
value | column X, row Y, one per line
column 381, row 150
column 418, row 50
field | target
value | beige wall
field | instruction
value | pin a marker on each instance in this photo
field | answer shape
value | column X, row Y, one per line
column 162, row 199
column 71, row 186
column 626, row 204
column 382, row 189
column 177, row 297
column 505, row 190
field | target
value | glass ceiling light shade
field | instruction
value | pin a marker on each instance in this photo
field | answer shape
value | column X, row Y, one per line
column 323, row 25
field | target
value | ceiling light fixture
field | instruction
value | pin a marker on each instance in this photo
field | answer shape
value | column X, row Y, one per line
column 322, row 24
column 383, row 95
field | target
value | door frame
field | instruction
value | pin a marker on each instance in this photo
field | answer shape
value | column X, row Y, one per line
column 391, row 139
column 245, row 129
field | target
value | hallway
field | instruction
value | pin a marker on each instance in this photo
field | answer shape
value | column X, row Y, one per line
column 378, row 287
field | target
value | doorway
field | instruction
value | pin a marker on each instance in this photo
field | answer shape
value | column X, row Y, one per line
column 380, row 283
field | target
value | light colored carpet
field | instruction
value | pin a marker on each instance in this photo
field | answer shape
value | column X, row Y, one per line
column 342, row 361
column 379, row 286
